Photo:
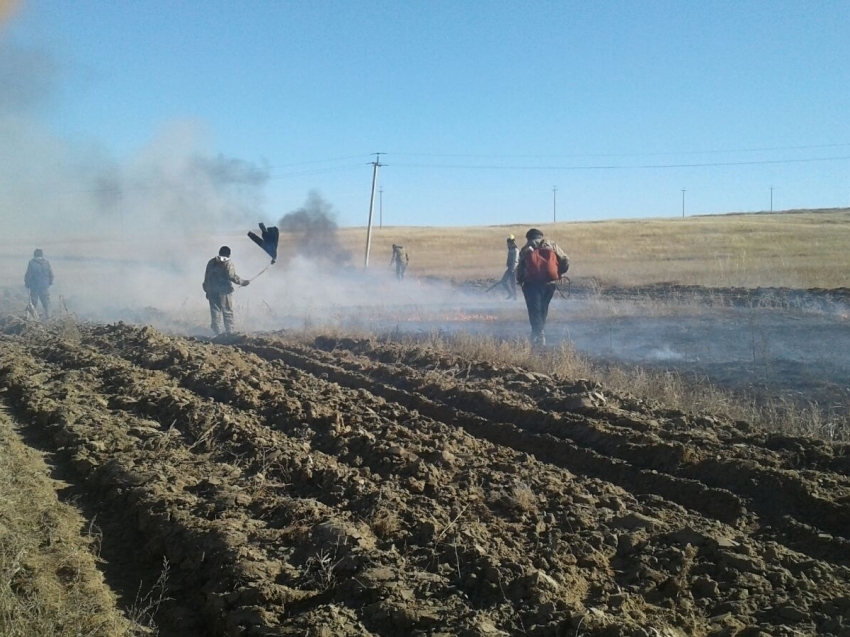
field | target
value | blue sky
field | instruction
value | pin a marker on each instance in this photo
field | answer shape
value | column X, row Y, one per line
column 481, row 107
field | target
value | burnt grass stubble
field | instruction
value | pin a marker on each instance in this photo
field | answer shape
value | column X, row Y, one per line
column 353, row 487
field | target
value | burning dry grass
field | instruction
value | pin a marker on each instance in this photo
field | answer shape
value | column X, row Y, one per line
column 49, row 582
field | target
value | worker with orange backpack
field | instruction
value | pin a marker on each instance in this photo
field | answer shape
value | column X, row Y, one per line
column 541, row 265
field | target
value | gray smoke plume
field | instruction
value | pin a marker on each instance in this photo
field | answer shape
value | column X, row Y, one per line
column 27, row 78
column 55, row 189
column 227, row 171
column 122, row 231
column 314, row 228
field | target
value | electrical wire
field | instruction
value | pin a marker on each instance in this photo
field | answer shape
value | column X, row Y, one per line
column 625, row 166
column 658, row 154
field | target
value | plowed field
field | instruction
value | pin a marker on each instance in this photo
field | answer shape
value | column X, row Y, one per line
column 356, row 487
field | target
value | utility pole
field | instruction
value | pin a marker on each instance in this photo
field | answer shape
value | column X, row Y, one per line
column 381, row 209
column 683, row 202
column 554, row 205
column 771, row 198
column 375, row 165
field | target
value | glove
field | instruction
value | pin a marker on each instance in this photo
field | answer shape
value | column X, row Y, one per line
column 245, row 283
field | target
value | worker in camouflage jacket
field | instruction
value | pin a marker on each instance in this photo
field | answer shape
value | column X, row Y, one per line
column 38, row 279
column 400, row 259
column 509, row 277
column 541, row 264
column 219, row 279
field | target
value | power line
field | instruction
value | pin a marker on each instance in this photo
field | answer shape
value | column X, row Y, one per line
column 655, row 154
column 627, row 166
column 319, row 171
column 322, row 161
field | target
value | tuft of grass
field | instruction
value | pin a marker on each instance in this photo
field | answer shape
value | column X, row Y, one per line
column 523, row 498
column 385, row 523
column 145, row 606
column 321, row 569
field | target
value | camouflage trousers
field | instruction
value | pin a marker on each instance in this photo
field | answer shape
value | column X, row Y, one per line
column 43, row 295
column 509, row 282
column 221, row 310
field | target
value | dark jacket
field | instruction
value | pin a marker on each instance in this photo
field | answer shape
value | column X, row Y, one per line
column 39, row 274
column 220, row 276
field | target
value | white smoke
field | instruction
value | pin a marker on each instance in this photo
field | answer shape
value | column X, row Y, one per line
column 119, row 230
column 129, row 236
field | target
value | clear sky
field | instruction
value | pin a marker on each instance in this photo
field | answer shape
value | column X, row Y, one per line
column 482, row 108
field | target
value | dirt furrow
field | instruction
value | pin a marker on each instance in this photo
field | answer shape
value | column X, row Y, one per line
column 189, row 373
column 815, row 497
column 583, row 397
column 666, row 471
column 208, row 503
column 218, row 500
column 510, row 437
column 311, row 494
column 516, row 576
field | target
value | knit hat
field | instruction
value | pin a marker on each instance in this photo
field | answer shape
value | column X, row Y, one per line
column 224, row 251
column 533, row 234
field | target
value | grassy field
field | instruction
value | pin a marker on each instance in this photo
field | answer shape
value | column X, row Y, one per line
column 797, row 249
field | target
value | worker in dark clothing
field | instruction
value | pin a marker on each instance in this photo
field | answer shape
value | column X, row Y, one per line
column 541, row 265
column 219, row 279
column 400, row 259
column 38, row 279
column 509, row 277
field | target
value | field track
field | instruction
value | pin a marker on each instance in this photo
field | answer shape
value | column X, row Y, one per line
column 357, row 487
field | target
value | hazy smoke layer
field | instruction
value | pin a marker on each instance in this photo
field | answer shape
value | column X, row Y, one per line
column 224, row 171
column 314, row 228
column 129, row 237
column 27, row 77
column 53, row 189
column 122, row 233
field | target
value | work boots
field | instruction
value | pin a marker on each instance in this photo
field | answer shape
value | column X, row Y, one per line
column 538, row 340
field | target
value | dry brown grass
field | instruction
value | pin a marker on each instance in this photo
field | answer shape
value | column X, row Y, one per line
column 523, row 498
column 49, row 582
column 799, row 249
column 385, row 523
